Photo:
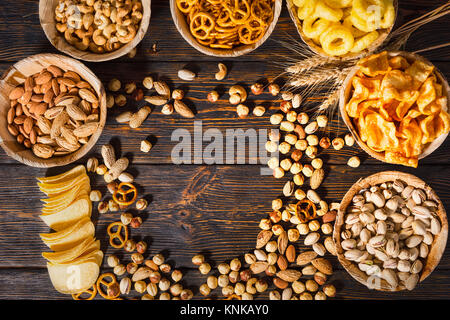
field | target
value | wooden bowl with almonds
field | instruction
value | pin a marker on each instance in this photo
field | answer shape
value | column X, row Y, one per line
column 434, row 249
column 102, row 40
column 316, row 48
column 345, row 96
column 52, row 110
column 179, row 19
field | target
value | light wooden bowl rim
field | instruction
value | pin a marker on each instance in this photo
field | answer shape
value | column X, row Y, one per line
column 7, row 83
column 349, row 56
column 58, row 41
column 437, row 248
column 344, row 96
column 180, row 23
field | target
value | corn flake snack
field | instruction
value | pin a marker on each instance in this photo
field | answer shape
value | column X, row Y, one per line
column 397, row 107
column 225, row 24
column 344, row 26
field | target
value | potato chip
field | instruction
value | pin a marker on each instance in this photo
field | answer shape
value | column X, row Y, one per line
column 79, row 209
column 53, row 236
column 72, row 239
column 427, row 95
column 398, row 62
column 420, row 71
column 427, row 126
column 442, row 123
column 375, row 64
column 65, row 199
column 398, row 158
column 66, row 176
column 411, row 144
column 55, row 189
column 69, row 254
column 73, row 278
column 381, row 133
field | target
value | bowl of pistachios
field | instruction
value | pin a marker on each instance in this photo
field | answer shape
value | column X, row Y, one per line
column 391, row 231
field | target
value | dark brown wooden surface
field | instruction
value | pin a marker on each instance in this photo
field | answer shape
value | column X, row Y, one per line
column 193, row 208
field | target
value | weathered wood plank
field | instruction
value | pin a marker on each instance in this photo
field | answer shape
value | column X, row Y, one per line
column 211, row 209
column 221, row 115
column 34, row 283
column 22, row 25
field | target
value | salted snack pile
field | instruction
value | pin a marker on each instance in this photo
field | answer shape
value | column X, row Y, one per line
column 398, row 107
column 54, row 112
column 389, row 231
column 98, row 25
column 225, row 24
column 340, row 27
column 75, row 262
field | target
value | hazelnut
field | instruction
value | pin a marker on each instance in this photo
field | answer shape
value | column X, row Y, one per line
column 175, row 289
column 126, row 218
column 259, row 111
column 136, row 222
column 329, row 290
column 286, row 164
column 158, row 259
column 204, row 268
column 278, row 173
column 296, row 155
column 291, row 138
column 301, row 145
column 233, row 276
column 140, row 286
column 186, row 294
column 274, row 89
column 164, row 284
column 204, row 290
column 325, row 142
column 130, row 245
column 113, row 290
column 146, row 146
column 322, row 121
column 349, row 139
column 154, row 277
column 101, row 169
column 95, row 195
column 138, row 94
column 299, row 194
column 112, row 187
column 132, row 267
column 141, row 247
column 308, row 170
column 320, row 296
column 120, row 100
column 110, row 101
column 137, row 258
column 141, row 204
column 311, row 151
column 165, row 296
column 242, row 111
column 313, row 140
column 113, row 206
column 284, row 147
column 311, row 127
column 113, row 261
column 177, row 275
column 299, row 179
column 223, row 280
column 177, row 94
column 198, row 259
column 285, row 106
column 274, row 135
column 103, row 207
column 327, row 228
column 314, row 225
column 303, row 228
column 223, row 268
column 244, row 275
column 167, row 109
column 317, row 163
column 303, row 118
column 152, row 289
column 235, row 264
column 291, row 116
column 338, row 143
column 271, row 146
column 287, row 95
column 276, row 118
column 275, row 216
column 354, row 162
column 130, row 87
column 296, row 168
column 119, row 270
column 311, row 285
column 165, row 268
column 273, row 163
column 213, row 96
column 114, row 85
column 257, row 88
column 265, row 224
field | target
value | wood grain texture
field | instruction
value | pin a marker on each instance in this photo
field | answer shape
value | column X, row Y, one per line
column 193, row 208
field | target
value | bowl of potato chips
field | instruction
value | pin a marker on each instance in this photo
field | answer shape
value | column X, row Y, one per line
column 225, row 28
column 396, row 106
column 343, row 29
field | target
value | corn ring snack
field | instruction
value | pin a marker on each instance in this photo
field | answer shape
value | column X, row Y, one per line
column 324, row 11
column 339, row 4
column 337, row 41
column 307, row 10
column 364, row 42
column 313, row 27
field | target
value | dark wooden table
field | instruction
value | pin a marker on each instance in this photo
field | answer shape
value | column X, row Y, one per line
column 212, row 209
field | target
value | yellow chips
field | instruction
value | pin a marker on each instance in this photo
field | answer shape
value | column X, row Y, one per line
column 344, row 26
column 75, row 263
column 397, row 107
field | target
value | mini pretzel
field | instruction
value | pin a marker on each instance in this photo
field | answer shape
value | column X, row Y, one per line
column 239, row 12
column 233, row 296
column 250, row 34
column 113, row 282
column 92, row 291
column 186, row 5
column 121, row 195
column 303, row 214
column 117, row 234
column 201, row 25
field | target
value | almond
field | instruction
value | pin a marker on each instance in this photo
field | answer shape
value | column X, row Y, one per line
column 68, row 135
column 156, row 100
column 282, row 262
column 283, row 242
column 330, row 216
column 183, row 109
column 280, row 283
column 258, row 267
column 75, row 112
column 323, row 265
column 63, row 143
column 58, row 122
column 263, row 237
column 55, row 71
column 306, row 257
column 52, row 113
column 43, row 78
column 88, row 95
column 86, row 130
column 289, row 275
column 316, row 178
column 43, row 151
column 28, row 124
column 141, row 274
column 16, row 93
column 290, row 253
column 162, row 88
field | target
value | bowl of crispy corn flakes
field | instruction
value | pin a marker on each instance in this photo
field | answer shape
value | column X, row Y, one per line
column 396, row 106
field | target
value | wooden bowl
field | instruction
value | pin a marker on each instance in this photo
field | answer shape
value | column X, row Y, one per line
column 318, row 50
column 46, row 17
column 437, row 247
column 16, row 75
column 346, row 91
column 180, row 22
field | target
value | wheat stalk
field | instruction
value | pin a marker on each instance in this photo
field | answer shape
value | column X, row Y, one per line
column 308, row 64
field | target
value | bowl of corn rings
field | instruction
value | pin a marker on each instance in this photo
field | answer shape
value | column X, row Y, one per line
column 225, row 28
column 396, row 106
column 343, row 29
